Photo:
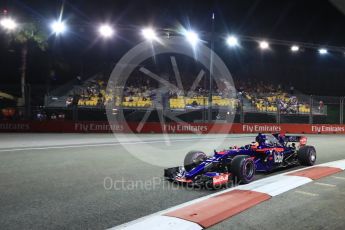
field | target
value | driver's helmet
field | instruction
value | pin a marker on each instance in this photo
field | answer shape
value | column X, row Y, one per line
column 260, row 138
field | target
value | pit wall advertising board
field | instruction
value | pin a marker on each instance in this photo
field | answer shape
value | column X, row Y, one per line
column 153, row 127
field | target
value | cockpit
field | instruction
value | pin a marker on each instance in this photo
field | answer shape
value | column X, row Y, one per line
column 267, row 140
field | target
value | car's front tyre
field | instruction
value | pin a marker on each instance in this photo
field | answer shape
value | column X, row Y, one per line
column 242, row 169
column 192, row 159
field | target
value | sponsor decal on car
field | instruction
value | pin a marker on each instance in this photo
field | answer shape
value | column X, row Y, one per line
column 221, row 179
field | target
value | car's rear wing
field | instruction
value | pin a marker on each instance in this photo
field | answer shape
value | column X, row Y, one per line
column 292, row 138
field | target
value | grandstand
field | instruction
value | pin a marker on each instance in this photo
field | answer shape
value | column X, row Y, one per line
column 255, row 97
column 270, row 103
column 92, row 93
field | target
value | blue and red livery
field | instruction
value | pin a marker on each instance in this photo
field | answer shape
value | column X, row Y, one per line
column 267, row 153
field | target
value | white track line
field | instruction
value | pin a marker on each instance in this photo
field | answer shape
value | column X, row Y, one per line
column 306, row 193
column 325, row 184
column 109, row 144
column 338, row 177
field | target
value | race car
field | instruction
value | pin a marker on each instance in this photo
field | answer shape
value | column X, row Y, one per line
column 267, row 153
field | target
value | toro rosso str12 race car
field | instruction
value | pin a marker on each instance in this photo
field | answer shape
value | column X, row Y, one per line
column 239, row 164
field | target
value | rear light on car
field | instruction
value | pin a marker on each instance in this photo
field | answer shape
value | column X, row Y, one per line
column 303, row 141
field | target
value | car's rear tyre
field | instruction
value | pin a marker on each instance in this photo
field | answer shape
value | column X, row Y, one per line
column 307, row 155
column 242, row 169
column 192, row 159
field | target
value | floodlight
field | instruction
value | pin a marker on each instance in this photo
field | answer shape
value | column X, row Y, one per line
column 264, row 45
column 232, row 41
column 294, row 48
column 149, row 34
column 192, row 37
column 106, row 31
column 58, row 27
column 323, row 51
column 8, row 24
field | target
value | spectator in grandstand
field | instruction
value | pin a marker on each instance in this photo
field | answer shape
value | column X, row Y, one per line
column 41, row 116
column 79, row 80
column 321, row 106
column 53, row 116
column 61, row 116
column 292, row 89
column 19, row 115
column 69, row 101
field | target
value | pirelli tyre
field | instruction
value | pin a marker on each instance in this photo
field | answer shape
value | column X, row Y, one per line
column 192, row 159
column 306, row 155
column 242, row 169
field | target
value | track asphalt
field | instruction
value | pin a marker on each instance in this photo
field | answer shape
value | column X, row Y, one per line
column 90, row 181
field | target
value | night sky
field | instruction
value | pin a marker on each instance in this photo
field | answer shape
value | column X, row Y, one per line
column 81, row 52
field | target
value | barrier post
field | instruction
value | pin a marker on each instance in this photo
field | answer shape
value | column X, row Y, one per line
column 278, row 111
column 311, row 109
column 75, row 112
column 27, row 105
column 341, row 110
column 204, row 110
column 241, row 109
